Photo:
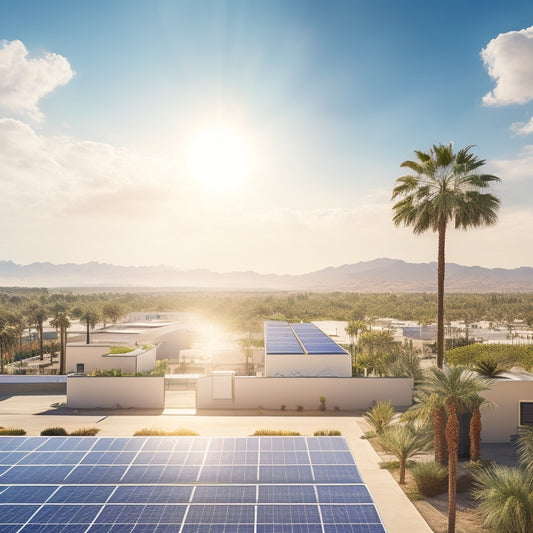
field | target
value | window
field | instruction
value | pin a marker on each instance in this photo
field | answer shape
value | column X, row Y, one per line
column 80, row 368
column 526, row 413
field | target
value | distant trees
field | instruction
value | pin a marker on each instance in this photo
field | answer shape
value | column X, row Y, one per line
column 444, row 187
column 37, row 314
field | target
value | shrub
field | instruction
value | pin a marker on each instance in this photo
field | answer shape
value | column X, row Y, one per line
column 506, row 355
column 154, row 432
column 283, row 407
column 322, row 403
column 275, row 433
column 54, row 431
column 117, row 350
column 85, row 432
column 490, row 367
column 12, row 431
column 380, row 416
column 327, row 433
column 431, row 478
column 300, row 408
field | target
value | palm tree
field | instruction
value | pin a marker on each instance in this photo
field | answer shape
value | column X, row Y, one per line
column 405, row 441
column 446, row 187
column 459, row 390
column 89, row 316
column 61, row 322
column 354, row 330
column 8, row 341
column 37, row 314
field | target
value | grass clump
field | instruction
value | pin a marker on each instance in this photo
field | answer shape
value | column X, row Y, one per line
column 12, row 431
column 431, row 478
column 275, row 433
column 84, row 432
column 155, row 432
column 327, row 433
column 54, row 431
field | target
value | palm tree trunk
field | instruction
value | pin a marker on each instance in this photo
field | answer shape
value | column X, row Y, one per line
column 62, row 352
column 475, row 435
column 88, row 338
column 452, row 439
column 440, row 294
column 1, row 358
column 41, row 341
column 439, row 438
column 402, row 471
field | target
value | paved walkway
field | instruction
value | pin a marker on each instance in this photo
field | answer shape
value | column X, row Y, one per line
column 34, row 413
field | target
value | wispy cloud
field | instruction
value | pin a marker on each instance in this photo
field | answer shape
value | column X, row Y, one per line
column 24, row 80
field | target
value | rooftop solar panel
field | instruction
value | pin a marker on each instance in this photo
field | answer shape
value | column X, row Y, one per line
column 154, row 484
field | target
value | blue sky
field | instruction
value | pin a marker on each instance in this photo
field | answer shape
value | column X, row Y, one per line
column 249, row 135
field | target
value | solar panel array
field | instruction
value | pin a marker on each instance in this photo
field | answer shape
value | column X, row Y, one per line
column 298, row 338
column 182, row 484
column 315, row 341
column 280, row 338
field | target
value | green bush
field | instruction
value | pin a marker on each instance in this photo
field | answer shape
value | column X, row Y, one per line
column 275, row 433
column 54, row 431
column 155, row 432
column 84, row 432
column 117, row 350
column 12, row 431
column 327, row 433
column 506, row 355
column 431, row 478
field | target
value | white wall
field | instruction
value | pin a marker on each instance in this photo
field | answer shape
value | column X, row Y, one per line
column 272, row 393
column 95, row 357
column 311, row 365
column 500, row 422
column 85, row 392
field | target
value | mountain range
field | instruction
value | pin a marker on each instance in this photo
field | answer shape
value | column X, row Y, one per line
column 378, row 275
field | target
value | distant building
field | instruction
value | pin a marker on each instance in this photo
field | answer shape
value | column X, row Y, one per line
column 303, row 350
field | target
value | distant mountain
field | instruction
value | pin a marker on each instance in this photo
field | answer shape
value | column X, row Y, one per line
column 379, row 275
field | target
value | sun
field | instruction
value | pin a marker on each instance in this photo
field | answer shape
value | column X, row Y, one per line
column 218, row 157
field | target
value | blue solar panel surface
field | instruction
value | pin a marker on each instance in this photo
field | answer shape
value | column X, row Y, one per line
column 182, row 484
column 299, row 338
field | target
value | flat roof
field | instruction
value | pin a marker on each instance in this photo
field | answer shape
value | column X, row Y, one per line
column 298, row 339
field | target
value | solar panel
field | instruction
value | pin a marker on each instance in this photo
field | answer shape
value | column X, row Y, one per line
column 164, row 484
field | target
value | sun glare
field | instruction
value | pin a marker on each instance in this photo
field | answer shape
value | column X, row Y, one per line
column 218, row 158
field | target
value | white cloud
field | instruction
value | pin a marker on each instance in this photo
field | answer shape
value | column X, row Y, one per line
column 63, row 175
column 523, row 128
column 24, row 81
column 509, row 61
column 515, row 170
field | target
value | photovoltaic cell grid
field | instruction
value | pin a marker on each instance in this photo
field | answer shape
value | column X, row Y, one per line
column 182, row 484
column 299, row 338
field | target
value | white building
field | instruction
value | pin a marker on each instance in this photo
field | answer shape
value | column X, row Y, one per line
column 303, row 350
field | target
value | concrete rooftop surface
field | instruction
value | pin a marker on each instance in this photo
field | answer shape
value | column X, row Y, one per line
column 34, row 413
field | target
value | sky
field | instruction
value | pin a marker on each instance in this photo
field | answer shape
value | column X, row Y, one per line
column 255, row 135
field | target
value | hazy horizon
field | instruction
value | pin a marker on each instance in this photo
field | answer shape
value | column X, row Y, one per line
column 254, row 136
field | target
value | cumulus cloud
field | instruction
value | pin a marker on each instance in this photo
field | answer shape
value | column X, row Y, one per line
column 523, row 128
column 65, row 175
column 509, row 61
column 24, row 80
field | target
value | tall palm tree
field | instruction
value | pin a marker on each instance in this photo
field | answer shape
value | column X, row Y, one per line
column 459, row 390
column 37, row 314
column 354, row 330
column 445, row 187
column 90, row 317
column 8, row 341
column 61, row 322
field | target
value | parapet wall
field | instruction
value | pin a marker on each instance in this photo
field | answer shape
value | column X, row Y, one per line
column 272, row 393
